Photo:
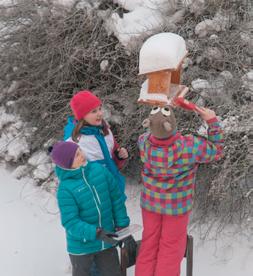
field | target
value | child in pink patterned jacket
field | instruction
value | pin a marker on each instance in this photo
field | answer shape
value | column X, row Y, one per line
column 170, row 162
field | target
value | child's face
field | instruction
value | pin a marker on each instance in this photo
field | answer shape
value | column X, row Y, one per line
column 79, row 159
column 94, row 117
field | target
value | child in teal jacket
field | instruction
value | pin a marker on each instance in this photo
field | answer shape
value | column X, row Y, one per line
column 91, row 208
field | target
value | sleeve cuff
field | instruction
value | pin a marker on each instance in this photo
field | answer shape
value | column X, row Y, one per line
column 212, row 120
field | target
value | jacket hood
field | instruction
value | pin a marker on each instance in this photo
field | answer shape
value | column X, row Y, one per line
column 69, row 127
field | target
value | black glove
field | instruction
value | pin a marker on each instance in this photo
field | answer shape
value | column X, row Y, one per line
column 106, row 236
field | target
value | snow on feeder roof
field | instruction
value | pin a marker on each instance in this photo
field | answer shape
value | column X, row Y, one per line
column 160, row 52
column 161, row 58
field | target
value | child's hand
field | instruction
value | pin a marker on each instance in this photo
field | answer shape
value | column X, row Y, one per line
column 205, row 113
column 122, row 153
column 106, row 236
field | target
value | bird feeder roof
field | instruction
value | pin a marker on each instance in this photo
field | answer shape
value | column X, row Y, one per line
column 163, row 51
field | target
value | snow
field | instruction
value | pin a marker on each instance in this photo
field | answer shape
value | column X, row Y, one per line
column 16, row 148
column 196, row 6
column 104, row 65
column 217, row 24
column 31, row 237
column 13, row 143
column 129, row 5
column 204, row 27
column 135, row 24
column 231, row 124
column 43, row 171
column 7, row 2
column 5, row 118
column 66, row 3
column 226, row 75
column 248, row 80
column 20, row 171
column 200, row 84
column 39, row 157
column 161, row 51
column 143, row 18
column 12, row 87
column 33, row 240
column 42, row 163
column 145, row 96
column 81, row 3
column 134, row 4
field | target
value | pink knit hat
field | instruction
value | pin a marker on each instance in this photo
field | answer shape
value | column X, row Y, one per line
column 83, row 102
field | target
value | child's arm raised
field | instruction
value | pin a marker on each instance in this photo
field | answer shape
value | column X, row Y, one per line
column 207, row 150
column 205, row 113
column 70, row 219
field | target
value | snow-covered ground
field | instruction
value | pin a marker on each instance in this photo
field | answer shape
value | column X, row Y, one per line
column 33, row 242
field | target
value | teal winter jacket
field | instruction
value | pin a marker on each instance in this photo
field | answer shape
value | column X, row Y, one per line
column 89, row 197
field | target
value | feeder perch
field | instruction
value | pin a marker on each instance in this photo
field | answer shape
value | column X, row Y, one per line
column 161, row 58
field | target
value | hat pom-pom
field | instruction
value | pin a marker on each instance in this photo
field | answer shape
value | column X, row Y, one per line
column 49, row 149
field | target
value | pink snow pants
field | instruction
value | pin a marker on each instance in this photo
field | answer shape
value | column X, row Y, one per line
column 163, row 244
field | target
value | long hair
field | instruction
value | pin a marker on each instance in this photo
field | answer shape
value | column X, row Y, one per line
column 82, row 123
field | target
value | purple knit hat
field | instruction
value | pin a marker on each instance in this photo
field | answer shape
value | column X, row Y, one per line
column 63, row 154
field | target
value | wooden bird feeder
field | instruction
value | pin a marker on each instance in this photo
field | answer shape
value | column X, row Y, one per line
column 161, row 59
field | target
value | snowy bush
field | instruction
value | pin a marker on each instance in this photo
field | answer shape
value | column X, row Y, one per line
column 48, row 53
column 20, row 171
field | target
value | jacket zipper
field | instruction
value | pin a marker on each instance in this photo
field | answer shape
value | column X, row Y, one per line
column 95, row 190
column 99, row 214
